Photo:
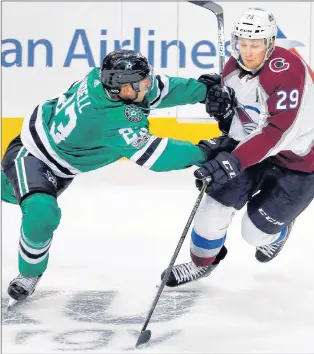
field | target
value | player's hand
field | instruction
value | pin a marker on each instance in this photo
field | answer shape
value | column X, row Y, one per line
column 212, row 147
column 221, row 170
column 220, row 102
column 210, row 80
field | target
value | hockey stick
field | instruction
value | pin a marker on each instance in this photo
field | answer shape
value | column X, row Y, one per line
column 218, row 11
column 145, row 334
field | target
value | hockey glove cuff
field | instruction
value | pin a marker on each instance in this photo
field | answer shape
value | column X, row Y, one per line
column 221, row 170
column 212, row 147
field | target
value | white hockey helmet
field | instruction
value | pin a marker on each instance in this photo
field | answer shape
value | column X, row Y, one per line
column 255, row 23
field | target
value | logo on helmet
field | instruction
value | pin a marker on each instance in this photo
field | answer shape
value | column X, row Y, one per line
column 128, row 66
column 133, row 113
column 278, row 64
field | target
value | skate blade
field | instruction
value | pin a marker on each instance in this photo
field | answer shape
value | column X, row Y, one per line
column 12, row 303
column 182, row 288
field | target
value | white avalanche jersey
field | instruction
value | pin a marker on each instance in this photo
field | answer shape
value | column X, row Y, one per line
column 276, row 114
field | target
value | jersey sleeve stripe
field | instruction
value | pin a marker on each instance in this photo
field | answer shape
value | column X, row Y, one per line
column 159, row 89
column 154, row 156
column 141, row 152
column 157, row 82
column 163, row 85
column 148, row 153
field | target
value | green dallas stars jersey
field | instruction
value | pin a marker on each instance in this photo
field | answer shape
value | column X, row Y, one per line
column 84, row 129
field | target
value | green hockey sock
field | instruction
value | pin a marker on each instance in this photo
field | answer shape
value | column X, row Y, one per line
column 41, row 217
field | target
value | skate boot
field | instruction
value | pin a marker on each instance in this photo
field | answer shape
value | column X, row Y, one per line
column 186, row 272
column 266, row 253
column 21, row 287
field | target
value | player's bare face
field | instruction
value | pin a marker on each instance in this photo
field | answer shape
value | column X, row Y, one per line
column 129, row 93
column 252, row 52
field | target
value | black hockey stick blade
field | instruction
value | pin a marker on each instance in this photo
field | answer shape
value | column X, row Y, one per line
column 143, row 338
column 210, row 5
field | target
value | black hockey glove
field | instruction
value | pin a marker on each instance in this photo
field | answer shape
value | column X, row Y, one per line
column 212, row 147
column 221, row 170
column 210, row 80
column 220, row 104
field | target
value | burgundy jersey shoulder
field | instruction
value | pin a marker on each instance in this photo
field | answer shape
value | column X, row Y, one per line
column 230, row 66
column 283, row 70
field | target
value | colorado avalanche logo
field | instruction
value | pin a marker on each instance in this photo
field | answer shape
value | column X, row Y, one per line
column 278, row 64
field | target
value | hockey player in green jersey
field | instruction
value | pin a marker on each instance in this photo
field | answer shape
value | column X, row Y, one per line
column 95, row 122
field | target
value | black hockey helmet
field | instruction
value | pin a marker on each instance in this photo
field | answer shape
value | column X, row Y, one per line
column 122, row 67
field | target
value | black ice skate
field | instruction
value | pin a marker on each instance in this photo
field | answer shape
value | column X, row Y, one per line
column 266, row 253
column 20, row 288
column 186, row 272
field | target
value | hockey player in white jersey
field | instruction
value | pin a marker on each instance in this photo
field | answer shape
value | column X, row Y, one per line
column 271, row 170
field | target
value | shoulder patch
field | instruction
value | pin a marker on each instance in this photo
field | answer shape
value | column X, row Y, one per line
column 278, row 64
column 133, row 113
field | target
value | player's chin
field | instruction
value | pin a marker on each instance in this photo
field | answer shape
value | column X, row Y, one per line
column 139, row 99
column 250, row 65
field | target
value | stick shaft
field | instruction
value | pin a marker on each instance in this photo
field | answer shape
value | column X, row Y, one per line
column 218, row 11
column 175, row 254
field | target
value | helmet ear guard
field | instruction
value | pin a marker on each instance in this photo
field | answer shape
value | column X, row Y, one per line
column 136, row 86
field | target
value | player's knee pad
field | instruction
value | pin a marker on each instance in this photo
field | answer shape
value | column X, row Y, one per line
column 41, row 216
column 212, row 219
column 253, row 235
column 209, row 233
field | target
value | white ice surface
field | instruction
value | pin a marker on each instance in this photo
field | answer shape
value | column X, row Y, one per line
column 119, row 228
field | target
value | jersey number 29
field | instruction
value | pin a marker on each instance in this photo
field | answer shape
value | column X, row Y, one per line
column 287, row 100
